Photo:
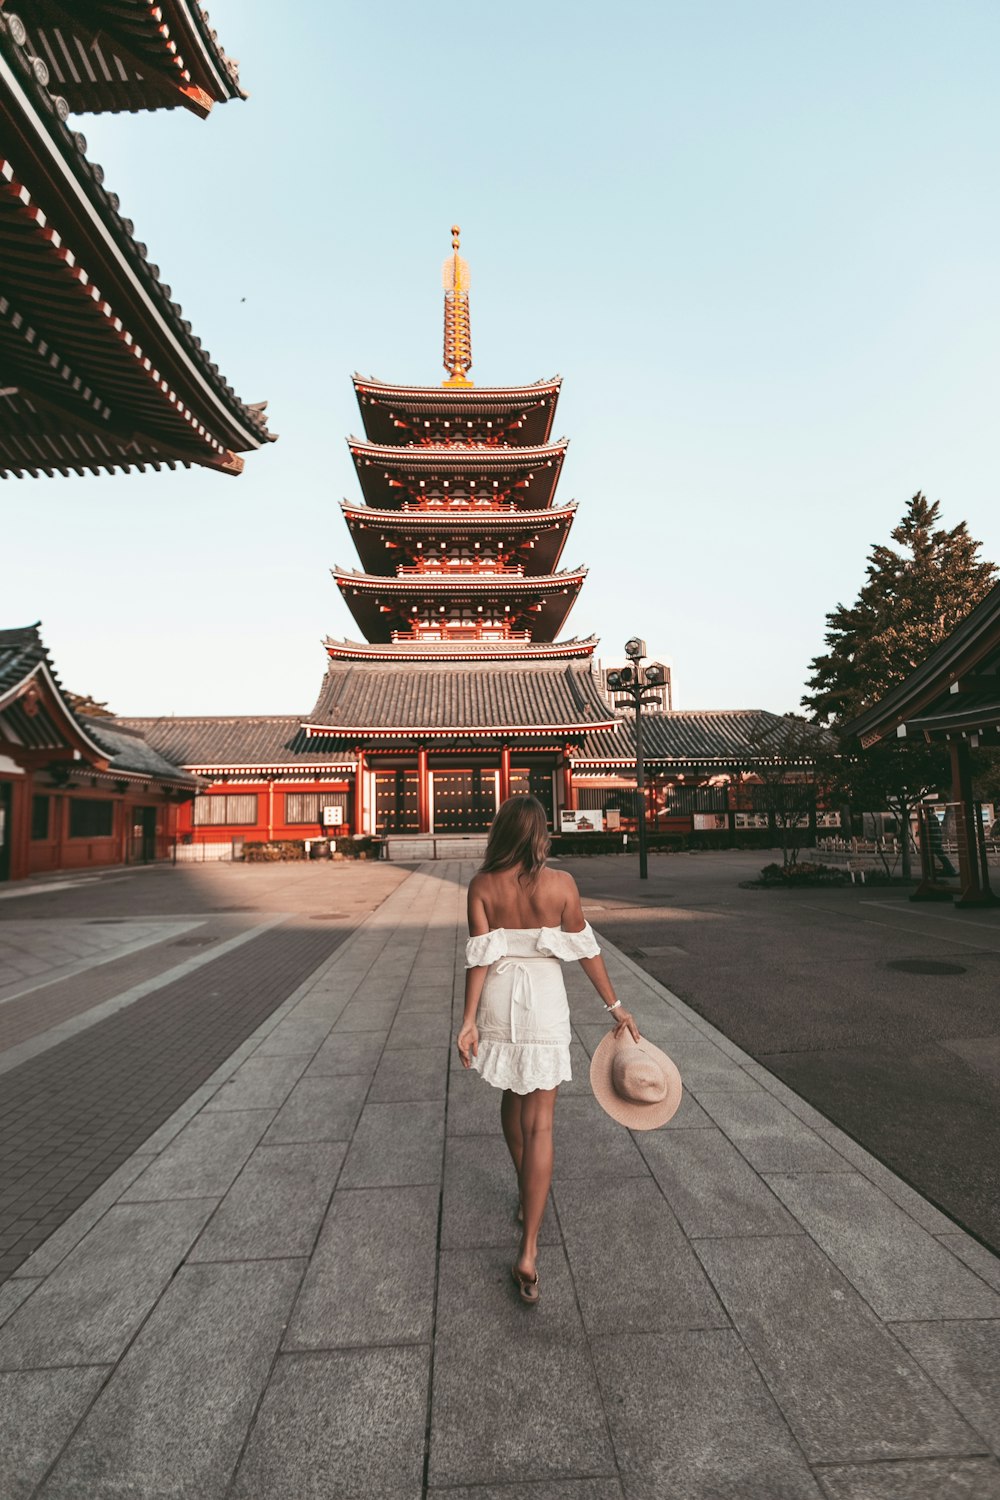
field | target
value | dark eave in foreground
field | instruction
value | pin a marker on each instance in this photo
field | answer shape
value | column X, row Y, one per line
column 112, row 55
column 100, row 368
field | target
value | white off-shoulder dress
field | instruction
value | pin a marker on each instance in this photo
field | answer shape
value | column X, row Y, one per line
column 523, row 1015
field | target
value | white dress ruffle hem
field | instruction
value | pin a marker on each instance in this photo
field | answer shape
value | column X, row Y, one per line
column 523, row 1015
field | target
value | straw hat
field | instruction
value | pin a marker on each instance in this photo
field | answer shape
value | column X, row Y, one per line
column 636, row 1083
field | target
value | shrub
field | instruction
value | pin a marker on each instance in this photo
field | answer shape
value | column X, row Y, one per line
column 794, row 876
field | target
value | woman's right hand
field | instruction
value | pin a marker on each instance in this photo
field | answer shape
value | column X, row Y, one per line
column 624, row 1020
column 468, row 1043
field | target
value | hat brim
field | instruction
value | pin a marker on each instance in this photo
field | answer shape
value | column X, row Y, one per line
column 630, row 1112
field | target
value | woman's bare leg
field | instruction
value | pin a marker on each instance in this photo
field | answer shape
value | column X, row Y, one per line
column 537, row 1110
column 510, row 1119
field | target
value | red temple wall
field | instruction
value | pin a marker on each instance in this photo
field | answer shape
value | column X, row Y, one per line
column 270, row 823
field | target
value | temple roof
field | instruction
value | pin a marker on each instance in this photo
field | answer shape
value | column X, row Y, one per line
column 689, row 739
column 36, row 715
column 234, row 742
column 549, row 598
column 373, row 529
column 534, row 472
column 100, row 368
column 955, row 690
column 511, row 700
column 394, row 414
column 130, row 54
column 576, row 646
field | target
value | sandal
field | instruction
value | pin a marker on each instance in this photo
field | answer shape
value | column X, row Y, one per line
column 527, row 1285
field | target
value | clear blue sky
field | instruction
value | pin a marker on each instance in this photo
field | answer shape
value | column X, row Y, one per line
column 758, row 240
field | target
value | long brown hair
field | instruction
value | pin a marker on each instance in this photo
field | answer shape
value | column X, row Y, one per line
column 519, row 836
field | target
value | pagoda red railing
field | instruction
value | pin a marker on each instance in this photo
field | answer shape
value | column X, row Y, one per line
column 442, row 568
column 459, row 503
column 460, row 632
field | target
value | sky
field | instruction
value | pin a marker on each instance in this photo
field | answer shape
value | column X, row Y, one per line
column 757, row 238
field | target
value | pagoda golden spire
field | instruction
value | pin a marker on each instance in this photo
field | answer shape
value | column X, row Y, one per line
column 457, row 327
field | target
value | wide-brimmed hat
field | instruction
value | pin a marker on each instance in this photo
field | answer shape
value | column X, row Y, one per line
column 636, row 1083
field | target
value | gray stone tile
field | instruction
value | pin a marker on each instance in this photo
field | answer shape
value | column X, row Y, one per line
column 349, row 1423
column 544, row 1415
column 421, row 1029
column 295, row 1036
column 632, row 1267
column 976, row 1256
column 964, row 1360
column 707, row 1068
column 371, row 1279
column 710, row 1186
column 348, row 1052
column 88, row 1309
column 69, row 1234
column 203, row 1160
column 172, row 1419
column 915, row 1479
column 770, row 1137
column 691, row 1419
column 411, row 1074
column 172, row 1127
column 588, row 1143
column 900, row 1269
column 396, row 1145
column 552, row 1489
column 366, row 1015
column 580, row 1082
column 473, row 1106
column 275, row 1206
column 38, row 1411
column 480, row 1196
column 918, row 1208
column 261, row 1083
column 320, row 1109
column 13, row 1293
column 844, row 1385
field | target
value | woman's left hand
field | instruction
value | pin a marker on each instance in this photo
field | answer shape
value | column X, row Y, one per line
column 468, row 1043
column 625, row 1020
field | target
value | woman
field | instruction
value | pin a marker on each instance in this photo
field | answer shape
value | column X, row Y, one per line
column 523, row 918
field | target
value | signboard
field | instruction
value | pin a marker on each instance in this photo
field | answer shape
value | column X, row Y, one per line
column 612, row 818
column 333, row 815
column 581, row 820
column 711, row 822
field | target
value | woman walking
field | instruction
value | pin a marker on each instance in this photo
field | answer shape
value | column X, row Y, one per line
column 524, row 918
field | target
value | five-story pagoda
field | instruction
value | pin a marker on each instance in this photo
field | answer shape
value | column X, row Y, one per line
column 459, row 694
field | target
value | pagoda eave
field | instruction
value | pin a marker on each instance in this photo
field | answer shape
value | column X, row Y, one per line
column 470, row 651
column 533, row 540
column 391, row 477
column 395, row 415
column 415, row 732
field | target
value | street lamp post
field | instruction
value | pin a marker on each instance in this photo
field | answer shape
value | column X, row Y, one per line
column 633, row 687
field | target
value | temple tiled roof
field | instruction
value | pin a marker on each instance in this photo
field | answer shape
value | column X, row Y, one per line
column 21, row 652
column 110, row 55
column 685, row 737
column 556, row 697
column 129, row 752
column 521, row 414
column 101, row 370
column 232, row 741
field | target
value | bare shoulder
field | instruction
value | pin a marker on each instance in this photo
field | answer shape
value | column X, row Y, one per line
column 562, row 881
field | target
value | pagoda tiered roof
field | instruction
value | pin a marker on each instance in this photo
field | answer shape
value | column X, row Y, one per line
column 111, row 55
column 383, row 605
column 514, row 700
column 469, row 650
column 520, row 415
column 525, row 478
column 537, row 536
column 100, row 368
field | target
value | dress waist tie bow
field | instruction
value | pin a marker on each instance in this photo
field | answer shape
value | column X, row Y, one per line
column 521, row 994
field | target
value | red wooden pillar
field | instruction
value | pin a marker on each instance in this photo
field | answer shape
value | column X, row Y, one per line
column 504, row 772
column 359, row 793
column 423, row 791
column 568, row 801
column 975, row 890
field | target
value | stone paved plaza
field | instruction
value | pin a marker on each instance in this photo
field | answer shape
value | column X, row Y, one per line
column 298, row 1286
